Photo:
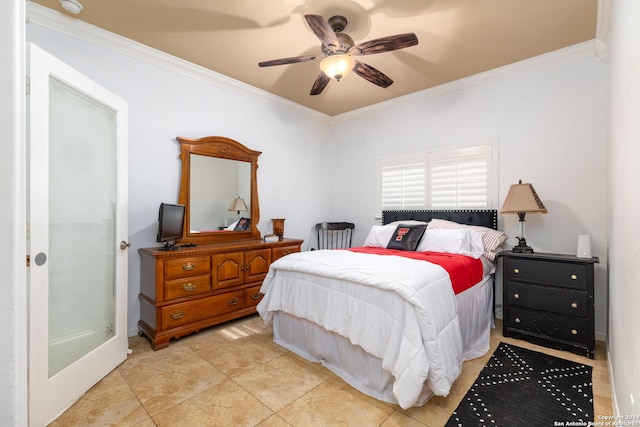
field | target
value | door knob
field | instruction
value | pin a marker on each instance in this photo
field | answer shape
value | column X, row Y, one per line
column 124, row 245
column 41, row 258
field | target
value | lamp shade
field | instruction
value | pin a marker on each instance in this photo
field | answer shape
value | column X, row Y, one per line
column 337, row 66
column 238, row 205
column 522, row 198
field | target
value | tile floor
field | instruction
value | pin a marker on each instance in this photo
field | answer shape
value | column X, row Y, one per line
column 234, row 375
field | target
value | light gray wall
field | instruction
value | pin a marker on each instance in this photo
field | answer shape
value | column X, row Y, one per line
column 163, row 105
column 551, row 130
column 624, row 184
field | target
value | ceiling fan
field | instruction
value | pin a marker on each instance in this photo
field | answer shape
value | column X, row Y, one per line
column 339, row 50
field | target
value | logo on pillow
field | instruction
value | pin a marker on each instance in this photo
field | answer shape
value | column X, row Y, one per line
column 400, row 233
column 406, row 237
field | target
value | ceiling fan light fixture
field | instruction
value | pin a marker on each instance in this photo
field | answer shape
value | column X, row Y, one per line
column 337, row 66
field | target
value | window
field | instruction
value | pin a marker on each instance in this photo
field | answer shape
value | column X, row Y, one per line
column 452, row 179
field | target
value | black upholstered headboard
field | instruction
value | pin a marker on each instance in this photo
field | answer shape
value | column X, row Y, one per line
column 483, row 217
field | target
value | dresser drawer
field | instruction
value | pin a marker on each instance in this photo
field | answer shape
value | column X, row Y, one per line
column 557, row 300
column 187, row 312
column 550, row 325
column 553, row 273
column 252, row 296
column 282, row 251
column 191, row 266
column 187, row 287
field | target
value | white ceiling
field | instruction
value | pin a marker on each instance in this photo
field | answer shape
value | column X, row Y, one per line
column 457, row 38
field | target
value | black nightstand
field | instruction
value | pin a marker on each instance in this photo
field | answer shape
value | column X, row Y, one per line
column 548, row 300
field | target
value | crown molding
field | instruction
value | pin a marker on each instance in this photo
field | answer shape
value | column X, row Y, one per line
column 54, row 20
column 602, row 29
column 568, row 54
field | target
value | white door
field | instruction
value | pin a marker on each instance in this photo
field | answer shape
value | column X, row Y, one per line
column 77, row 221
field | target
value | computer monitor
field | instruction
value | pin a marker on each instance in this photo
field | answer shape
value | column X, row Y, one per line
column 170, row 225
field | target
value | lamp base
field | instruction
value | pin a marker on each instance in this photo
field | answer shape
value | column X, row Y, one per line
column 522, row 247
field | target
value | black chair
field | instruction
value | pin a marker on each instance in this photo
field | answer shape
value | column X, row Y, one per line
column 334, row 235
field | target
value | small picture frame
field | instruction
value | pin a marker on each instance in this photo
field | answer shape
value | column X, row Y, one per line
column 243, row 224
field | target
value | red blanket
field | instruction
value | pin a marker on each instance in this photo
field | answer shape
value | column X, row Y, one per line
column 464, row 271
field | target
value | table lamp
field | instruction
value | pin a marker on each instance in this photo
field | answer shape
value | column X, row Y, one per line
column 522, row 199
column 238, row 205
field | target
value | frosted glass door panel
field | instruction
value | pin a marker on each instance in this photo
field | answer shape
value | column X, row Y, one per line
column 78, row 230
column 82, row 167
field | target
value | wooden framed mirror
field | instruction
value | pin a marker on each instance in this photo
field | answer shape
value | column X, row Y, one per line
column 215, row 171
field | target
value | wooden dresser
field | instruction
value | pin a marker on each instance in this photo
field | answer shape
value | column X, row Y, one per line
column 548, row 300
column 185, row 290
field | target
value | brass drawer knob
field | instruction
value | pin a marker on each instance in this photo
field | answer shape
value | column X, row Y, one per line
column 574, row 305
column 517, row 320
column 177, row 315
column 256, row 296
column 574, row 276
column 233, row 301
column 516, row 270
column 516, row 296
column 189, row 287
column 574, row 332
column 188, row 266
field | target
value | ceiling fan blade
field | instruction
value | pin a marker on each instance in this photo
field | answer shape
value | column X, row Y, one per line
column 292, row 60
column 323, row 31
column 384, row 44
column 369, row 73
column 321, row 82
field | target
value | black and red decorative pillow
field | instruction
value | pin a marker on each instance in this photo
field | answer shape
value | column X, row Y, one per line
column 406, row 237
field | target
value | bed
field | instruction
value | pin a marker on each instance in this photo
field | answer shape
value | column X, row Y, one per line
column 388, row 323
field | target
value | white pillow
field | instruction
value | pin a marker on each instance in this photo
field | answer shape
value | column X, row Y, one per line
column 379, row 235
column 455, row 241
column 477, row 244
column 491, row 239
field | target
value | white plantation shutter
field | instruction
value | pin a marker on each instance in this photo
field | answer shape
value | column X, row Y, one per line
column 452, row 179
column 403, row 186
column 460, row 183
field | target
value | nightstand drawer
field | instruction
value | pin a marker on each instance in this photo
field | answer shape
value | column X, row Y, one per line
column 549, row 325
column 567, row 275
column 557, row 300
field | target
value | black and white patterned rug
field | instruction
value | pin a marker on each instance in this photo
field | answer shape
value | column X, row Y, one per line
column 521, row 387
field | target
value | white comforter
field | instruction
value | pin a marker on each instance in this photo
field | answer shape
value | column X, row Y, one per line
column 405, row 314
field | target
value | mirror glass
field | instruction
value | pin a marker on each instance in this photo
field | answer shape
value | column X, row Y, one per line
column 214, row 184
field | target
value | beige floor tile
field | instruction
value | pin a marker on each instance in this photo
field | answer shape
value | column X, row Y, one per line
column 399, row 419
column 335, row 403
column 139, row 345
column 280, row 381
column 110, row 402
column 274, row 421
column 167, row 377
column 224, row 405
column 239, row 356
column 184, row 384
